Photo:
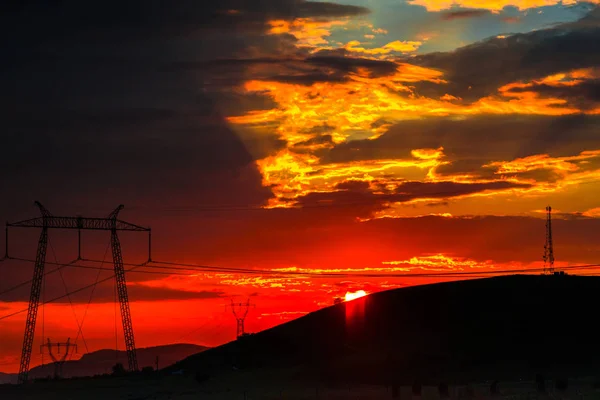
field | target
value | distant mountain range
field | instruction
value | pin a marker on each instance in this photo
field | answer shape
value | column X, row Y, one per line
column 102, row 361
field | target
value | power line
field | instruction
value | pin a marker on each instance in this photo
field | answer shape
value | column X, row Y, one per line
column 65, row 295
column 174, row 266
column 19, row 285
column 171, row 265
column 62, row 278
column 87, row 307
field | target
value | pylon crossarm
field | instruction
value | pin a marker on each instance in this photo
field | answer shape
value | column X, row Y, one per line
column 99, row 224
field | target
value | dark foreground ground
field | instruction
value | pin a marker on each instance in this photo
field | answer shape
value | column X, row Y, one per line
column 267, row 386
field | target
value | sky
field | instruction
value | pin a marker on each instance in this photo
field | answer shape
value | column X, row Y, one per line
column 286, row 136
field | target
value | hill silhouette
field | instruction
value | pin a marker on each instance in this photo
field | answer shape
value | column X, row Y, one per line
column 101, row 361
column 496, row 328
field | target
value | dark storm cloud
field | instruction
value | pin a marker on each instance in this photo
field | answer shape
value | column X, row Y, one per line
column 308, row 79
column 471, row 143
column 340, row 61
column 362, row 196
column 155, row 18
column 333, row 68
column 585, row 95
column 304, row 69
column 101, row 97
column 462, row 14
column 478, row 70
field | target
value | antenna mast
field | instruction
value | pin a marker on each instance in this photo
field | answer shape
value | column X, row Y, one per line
column 548, row 247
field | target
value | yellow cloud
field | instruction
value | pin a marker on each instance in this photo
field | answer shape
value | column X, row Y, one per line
column 397, row 46
column 436, row 262
column 309, row 32
column 364, row 107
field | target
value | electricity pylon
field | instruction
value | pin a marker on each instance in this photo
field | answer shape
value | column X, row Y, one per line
column 548, row 247
column 49, row 221
column 240, row 312
column 59, row 362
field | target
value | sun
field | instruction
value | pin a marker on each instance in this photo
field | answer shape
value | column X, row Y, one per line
column 355, row 295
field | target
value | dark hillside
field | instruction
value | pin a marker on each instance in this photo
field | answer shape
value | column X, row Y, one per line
column 486, row 328
column 102, row 361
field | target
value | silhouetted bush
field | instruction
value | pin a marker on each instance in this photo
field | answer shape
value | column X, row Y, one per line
column 118, row 370
column 561, row 384
column 540, row 383
column 417, row 388
column 201, row 378
column 469, row 392
column 395, row 391
column 494, row 388
column 443, row 390
column 148, row 371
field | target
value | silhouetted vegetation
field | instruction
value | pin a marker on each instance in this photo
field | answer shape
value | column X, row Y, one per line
column 417, row 388
column 202, row 378
column 469, row 392
column 395, row 391
column 118, row 370
column 540, row 383
column 494, row 388
column 443, row 390
column 561, row 384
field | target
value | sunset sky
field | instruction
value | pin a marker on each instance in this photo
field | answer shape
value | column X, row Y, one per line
column 353, row 136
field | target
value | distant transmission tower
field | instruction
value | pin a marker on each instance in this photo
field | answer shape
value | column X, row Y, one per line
column 548, row 248
column 240, row 312
column 59, row 360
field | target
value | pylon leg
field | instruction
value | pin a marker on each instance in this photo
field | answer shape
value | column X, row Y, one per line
column 123, row 301
column 240, row 328
column 34, row 301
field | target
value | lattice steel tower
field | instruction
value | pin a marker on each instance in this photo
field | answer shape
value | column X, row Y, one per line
column 240, row 312
column 49, row 221
column 548, row 247
column 57, row 359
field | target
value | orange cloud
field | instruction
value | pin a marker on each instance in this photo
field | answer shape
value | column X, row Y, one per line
column 364, row 107
column 309, row 32
column 561, row 165
column 293, row 175
column 592, row 213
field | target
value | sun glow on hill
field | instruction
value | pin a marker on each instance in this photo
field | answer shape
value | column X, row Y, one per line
column 355, row 295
